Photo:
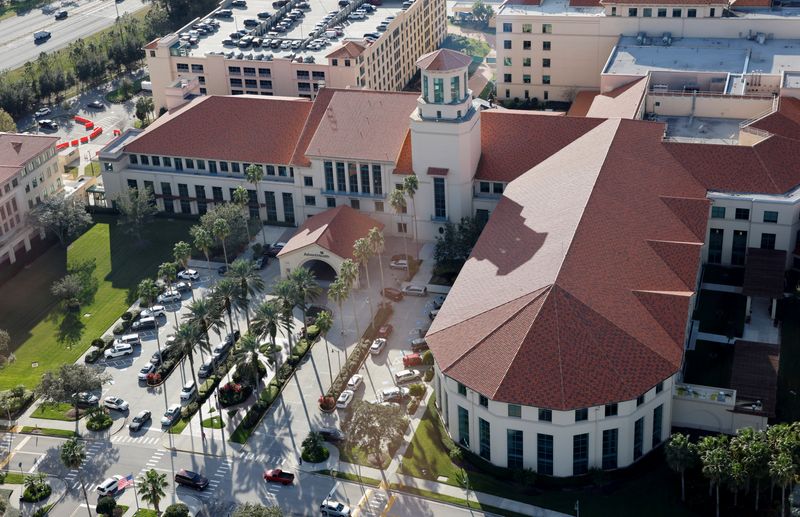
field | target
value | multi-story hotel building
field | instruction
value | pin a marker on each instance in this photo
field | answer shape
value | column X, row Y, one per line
column 180, row 69
column 29, row 172
column 561, row 345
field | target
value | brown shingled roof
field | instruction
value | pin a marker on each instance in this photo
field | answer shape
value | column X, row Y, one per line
column 349, row 49
column 403, row 162
column 335, row 229
column 754, row 375
column 443, row 59
column 16, row 149
column 785, row 121
column 666, row 2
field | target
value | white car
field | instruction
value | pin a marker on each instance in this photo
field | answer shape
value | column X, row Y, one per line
column 398, row 264
column 118, row 350
column 345, row 399
column 169, row 297
column 404, row 376
column 109, row 486
column 189, row 274
column 155, row 311
column 415, row 290
column 393, row 394
column 171, row 415
column 147, row 369
column 354, row 382
column 331, row 508
column 377, row 346
column 188, row 390
column 42, row 112
column 116, row 403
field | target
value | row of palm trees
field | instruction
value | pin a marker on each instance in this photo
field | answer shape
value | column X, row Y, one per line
column 752, row 457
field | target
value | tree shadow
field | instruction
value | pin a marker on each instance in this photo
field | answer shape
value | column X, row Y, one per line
column 70, row 330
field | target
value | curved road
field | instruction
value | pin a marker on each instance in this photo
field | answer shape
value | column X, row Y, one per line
column 85, row 18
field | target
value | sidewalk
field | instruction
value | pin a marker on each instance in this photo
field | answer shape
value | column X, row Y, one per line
column 119, row 423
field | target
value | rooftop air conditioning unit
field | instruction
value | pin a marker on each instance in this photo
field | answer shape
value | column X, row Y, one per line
column 666, row 39
column 761, row 38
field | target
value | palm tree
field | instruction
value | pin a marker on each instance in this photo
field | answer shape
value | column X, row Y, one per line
column 221, row 230
column 244, row 273
column 241, row 198
column 167, row 272
column 681, row 454
column 737, row 479
column 338, row 292
column 254, row 174
column 306, row 289
column 148, row 293
column 410, row 186
column 266, row 318
column 716, row 462
column 375, row 238
column 324, row 323
column 287, row 299
column 182, row 253
column 397, row 200
column 245, row 357
column 348, row 272
column 754, row 455
column 205, row 315
column 782, row 470
column 73, row 454
column 203, row 242
column 224, row 294
column 187, row 337
column 363, row 252
column 151, row 486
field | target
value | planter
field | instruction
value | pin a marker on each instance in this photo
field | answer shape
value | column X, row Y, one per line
column 327, row 410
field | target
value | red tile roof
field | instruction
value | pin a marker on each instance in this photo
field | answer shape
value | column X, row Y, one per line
column 622, row 102
column 348, row 49
column 321, row 102
column 585, row 3
column 751, row 3
column 568, row 301
column 785, row 121
column 239, row 131
column 666, row 2
column 16, row 149
column 437, row 171
column 583, row 100
column 443, row 59
column 403, row 163
column 336, row 230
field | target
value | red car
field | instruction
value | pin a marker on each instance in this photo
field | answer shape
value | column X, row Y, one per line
column 393, row 294
column 279, row 476
column 412, row 360
column 385, row 331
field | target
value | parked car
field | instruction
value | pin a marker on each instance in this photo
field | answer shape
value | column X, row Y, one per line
column 330, row 508
column 264, row 15
column 393, row 294
column 415, row 290
column 279, row 476
column 96, row 105
column 239, row 3
column 189, row 274
column 85, row 400
column 345, row 398
column 355, row 382
column 191, row 479
column 377, row 346
column 188, row 391
column 412, row 360
column 260, row 262
column 170, row 296
column 62, row 15
column 146, row 370
column 419, row 345
column 182, row 287
column 385, row 331
column 139, row 420
column 406, row 376
column 274, row 249
column 118, row 350
column 145, row 323
column 433, row 313
column 207, row 368
column 401, row 256
column 171, row 415
column 223, row 13
column 116, row 404
column 130, row 339
column 42, row 112
column 331, row 434
column 48, row 125
column 156, row 311
column 109, row 486
column 394, row 394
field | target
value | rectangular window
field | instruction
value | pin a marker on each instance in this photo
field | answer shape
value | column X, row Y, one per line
column 234, row 70
column 639, row 400
column 462, row 390
column 691, row 13
column 377, row 180
column 438, row 90
column 189, row 163
column 580, row 454
column 402, row 227
column 647, row 12
column 638, row 438
column 547, row 28
column 235, row 167
column 715, row 238
column 581, row 414
column 272, row 207
column 156, row 161
column 743, row 214
column 310, row 201
column 767, row 241
column 288, row 207
column 379, row 206
column 658, row 414
column 507, row 78
column 633, row 12
column 718, row 212
column 611, row 409
column 483, row 401
column 544, row 454
column 770, row 217
column 739, row 247
column 514, row 446
column 439, row 204
column 662, row 12
column 216, row 194
column 507, row 27
column 144, row 160
column 545, row 415
column 328, row 167
column 545, row 45
column 527, row 27
column 352, row 173
column 610, row 437
column 308, row 181
column 341, row 178
column 515, row 410
column 183, row 67
column 132, row 184
column 463, row 426
column 133, row 159
column 223, row 166
column 545, row 79
column 202, row 204
column 331, row 202
column 455, row 89
column 712, row 12
column 676, row 13
column 660, row 387
column 526, row 45
column 485, row 438
column 546, row 63
column 507, row 61
column 526, row 61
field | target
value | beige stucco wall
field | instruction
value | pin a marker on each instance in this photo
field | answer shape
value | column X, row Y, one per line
column 308, row 253
column 723, row 106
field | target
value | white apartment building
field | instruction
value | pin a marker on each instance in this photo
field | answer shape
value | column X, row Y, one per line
column 29, row 172
column 212, row 65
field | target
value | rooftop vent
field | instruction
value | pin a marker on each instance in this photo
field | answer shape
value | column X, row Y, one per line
column 17, row 145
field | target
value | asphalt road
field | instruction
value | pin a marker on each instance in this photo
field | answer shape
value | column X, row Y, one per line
column 85, row 18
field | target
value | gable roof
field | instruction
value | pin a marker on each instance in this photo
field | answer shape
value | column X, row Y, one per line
column 17, row 149
column 348, row 49
column 622, row 102
column 335, row 229
column 443, row 60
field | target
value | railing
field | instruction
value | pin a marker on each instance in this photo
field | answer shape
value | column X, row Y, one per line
column 680, row 93
column 755, row 131
column 709, row 394
column 368, row 195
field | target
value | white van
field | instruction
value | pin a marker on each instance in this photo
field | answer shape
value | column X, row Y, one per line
column 330, row 34
column 415, row 290
column 404, row 376
column 129, row 339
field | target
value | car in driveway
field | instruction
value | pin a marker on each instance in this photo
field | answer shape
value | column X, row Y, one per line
column 331, row 434
column 393, row 394
column 419, row 345
column 331, row 508
column 393, row 294
column 189, row 274
column 171, row 415
column 109, row 486
column 406, row 376
column 415, row 290
column 377, row 346
column 188, row 391
column 85, row 400
column 345, row 398
column 191, row 479
column 398, row 264
column 42, row 112
column 156, row 311
column 118, row 350
column 385, row 331
column 140, row 420
column 96, row 105
column 433, row 313
column 355, row 382
column 116, row 404
column 171, row 296
column 146, row 370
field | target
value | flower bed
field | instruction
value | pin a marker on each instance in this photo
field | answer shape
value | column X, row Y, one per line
column 233, row 393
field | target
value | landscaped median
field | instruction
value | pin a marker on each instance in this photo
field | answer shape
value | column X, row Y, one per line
column 45, row 431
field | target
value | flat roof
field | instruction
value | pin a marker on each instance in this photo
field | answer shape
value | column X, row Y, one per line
column 701, row 129
column 791, row 80
column 550, row 8
column 724, row 55
column 300, row 30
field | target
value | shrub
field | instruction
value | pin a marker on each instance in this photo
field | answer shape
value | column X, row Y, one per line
column 456, row 454
column 127, row 316
column 106, row 505
column 416, row 390
column 327, row 403
column 189, row 409
column 99, row 421
column 258, row 249
column 412, row 406
column 427, row 358
column 153, row 378
column 428, row 375
column 312, row 332
column 121, row 328
column 313, row 449
column 284, row 372
column 176, row 510
column 234, row 393
column 93, row 355
column 3, row 475
column 98, row 343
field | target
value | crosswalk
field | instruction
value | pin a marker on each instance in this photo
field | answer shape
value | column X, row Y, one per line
column 71, row 478
column 375, row 504
column 222, row 472
column 154, row 461
column 270, row 461
column 139, row 440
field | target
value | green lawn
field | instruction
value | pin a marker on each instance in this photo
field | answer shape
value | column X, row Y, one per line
column 721, row 313
column 214, row 422
column 45, row 431
column 13, row 478
column 145, row 512
column 44, row 337
column 709, row 364
column 20, row 7
column 180, row 425
column 56, row 411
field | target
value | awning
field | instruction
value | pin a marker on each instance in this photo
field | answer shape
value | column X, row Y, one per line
column 764, row 273
column 437, row 171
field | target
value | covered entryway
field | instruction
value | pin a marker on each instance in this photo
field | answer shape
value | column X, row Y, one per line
column 325, row 241
column 763, row 286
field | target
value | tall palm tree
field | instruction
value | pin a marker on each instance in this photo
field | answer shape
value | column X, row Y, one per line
column 245, row 274
column 754, row 455
column 716, row 462
column 348, row 272
column 338, row 292
column 167, row 272
column 187, row 337
column 363, row 252
column 306, row 289
column 241, row 198
column 266, row 318
column 324, row 323
column 205, row 315
column 151, row 487
column 681, row 454
column 782, row 470
column 397, row 200
column 245, row 357
column 224, row 294
column 254, row 174
column 182, row 253
column 287, row 299
column 148, row 293
column 376, row 241
column 73, row 454
column 203, row 242
column 410, row 186
column 221, row 230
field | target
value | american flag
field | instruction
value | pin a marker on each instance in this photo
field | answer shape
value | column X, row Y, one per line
column 124, row 482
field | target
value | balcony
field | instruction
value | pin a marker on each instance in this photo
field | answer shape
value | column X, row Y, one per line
column 721, row 396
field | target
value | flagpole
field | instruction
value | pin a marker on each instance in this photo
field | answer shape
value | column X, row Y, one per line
column 135, row 495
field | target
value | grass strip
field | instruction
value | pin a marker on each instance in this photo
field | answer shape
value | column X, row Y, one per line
column 350, row 477
column 46, row 431
column 53, row 411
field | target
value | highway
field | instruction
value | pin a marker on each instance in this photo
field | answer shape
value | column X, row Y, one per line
column 85, row 18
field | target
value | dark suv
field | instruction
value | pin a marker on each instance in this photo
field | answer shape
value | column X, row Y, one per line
column 191, row 479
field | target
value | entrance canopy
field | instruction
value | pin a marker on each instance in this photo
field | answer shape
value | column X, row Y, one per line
column 764, row 273
column 326, row 237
